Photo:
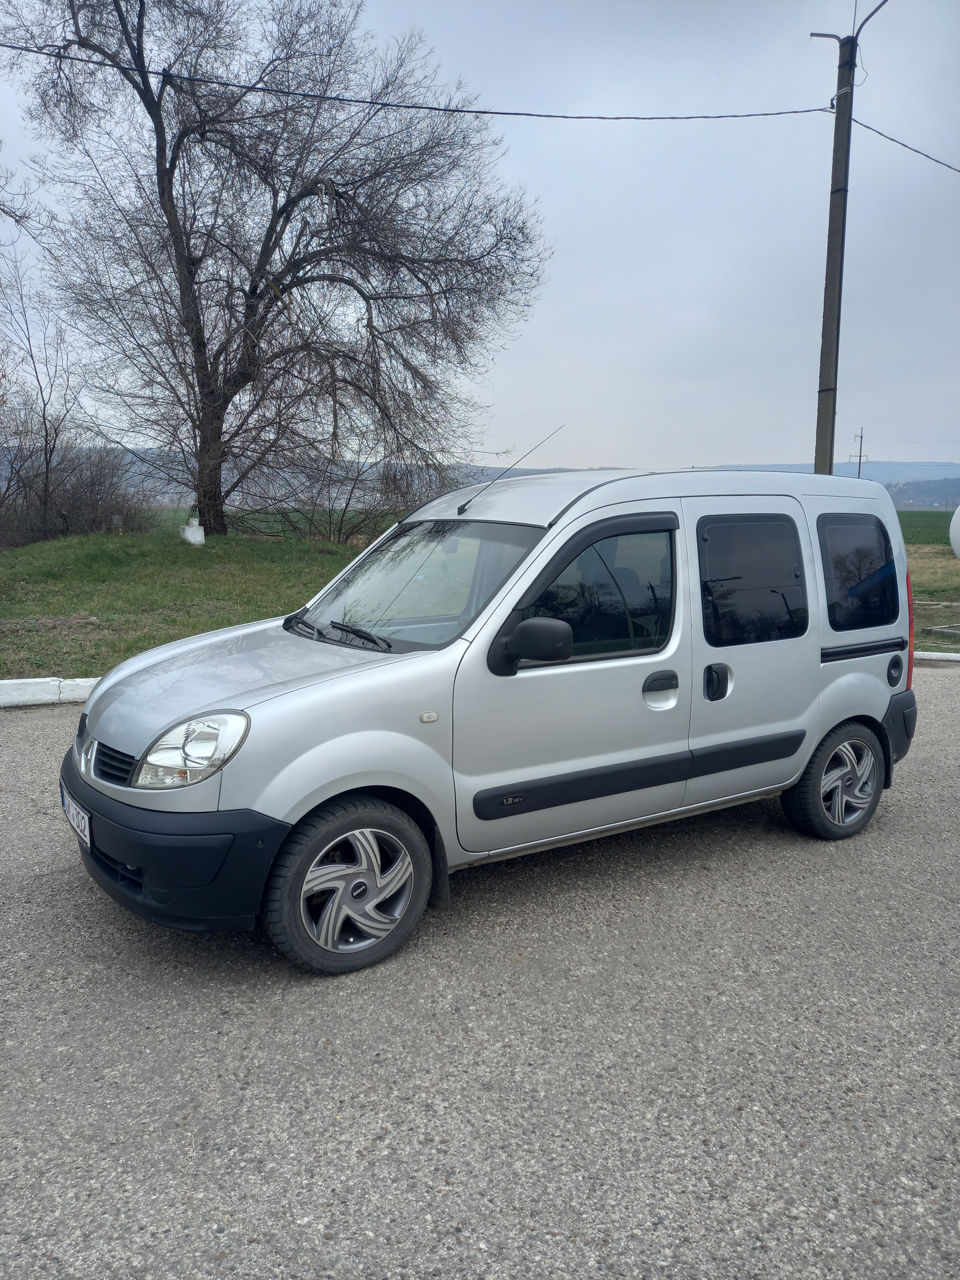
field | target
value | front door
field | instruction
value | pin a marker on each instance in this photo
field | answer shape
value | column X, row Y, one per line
column 756, row 655
column 556, row 749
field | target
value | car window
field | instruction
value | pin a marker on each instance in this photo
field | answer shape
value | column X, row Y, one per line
column 858, row 571
column 425, row 582
column 617, row 595
column 751, row 579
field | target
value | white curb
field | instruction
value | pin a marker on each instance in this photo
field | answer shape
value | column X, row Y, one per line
column 53, row 691
column 44, row 691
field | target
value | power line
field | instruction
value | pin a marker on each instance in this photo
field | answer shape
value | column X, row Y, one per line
column 306, row 94
column 386, row 104
column 916, row 150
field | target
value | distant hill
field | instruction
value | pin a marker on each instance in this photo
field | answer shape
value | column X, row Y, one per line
column 912, row 484
column 926, row 494
column 925, row 485
column 886, row 473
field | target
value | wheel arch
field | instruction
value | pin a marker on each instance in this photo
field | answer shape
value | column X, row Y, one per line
column 419, row 813
column 864, row 699
column 882, row 737
column 415, row 808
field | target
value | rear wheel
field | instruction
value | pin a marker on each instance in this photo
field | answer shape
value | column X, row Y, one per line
column 840, row 788
column 349, row 886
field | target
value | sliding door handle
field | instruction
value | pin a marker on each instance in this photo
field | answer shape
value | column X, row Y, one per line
column 716, row 682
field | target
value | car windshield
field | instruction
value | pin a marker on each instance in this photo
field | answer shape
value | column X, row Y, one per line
column 422, row 585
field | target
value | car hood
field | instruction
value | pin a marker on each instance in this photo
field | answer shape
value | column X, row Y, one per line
column 223, row 670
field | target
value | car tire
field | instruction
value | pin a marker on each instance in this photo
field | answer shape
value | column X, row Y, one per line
column 840, row 788
column 349, row 886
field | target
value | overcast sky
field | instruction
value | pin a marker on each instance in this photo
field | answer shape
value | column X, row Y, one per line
column 679, row 322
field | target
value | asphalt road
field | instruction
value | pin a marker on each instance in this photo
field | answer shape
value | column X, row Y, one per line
column 712, row 1049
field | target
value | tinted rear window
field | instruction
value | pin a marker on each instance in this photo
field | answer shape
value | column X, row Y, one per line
column 859, row 572
column 751, row 579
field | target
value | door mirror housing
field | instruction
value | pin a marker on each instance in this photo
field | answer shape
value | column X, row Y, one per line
column 532, row 640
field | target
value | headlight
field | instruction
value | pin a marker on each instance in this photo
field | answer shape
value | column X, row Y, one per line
column 192, row 751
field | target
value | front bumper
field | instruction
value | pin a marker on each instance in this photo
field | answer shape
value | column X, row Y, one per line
column 185, row 870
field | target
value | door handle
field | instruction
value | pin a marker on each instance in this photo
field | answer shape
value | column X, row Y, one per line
column 716, row 682
column 660, row 682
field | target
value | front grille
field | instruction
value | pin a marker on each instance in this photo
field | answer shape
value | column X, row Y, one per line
column 113, row 766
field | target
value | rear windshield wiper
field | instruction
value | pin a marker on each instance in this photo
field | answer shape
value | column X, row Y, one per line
column 359, row 632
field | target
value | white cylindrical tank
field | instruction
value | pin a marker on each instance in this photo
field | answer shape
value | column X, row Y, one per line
column 955, row 533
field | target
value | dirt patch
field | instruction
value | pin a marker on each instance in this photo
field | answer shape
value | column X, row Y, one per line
column 25, row 626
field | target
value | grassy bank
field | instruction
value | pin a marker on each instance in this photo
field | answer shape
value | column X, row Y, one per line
column 935, row 577
column 78, row 606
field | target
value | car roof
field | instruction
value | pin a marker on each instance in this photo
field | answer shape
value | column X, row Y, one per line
column 541, row 499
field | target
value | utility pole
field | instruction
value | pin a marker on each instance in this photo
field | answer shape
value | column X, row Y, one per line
column 836, row 230
column 859, row 455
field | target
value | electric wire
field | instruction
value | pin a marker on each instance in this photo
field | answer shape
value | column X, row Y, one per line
column 438, row 108
column 385, row 104
column 916, row 150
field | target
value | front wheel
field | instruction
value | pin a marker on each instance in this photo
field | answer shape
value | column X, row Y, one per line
column 840, row 788
column 349, row 886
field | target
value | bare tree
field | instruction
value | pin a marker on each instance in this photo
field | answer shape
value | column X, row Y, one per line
column 19, row 458
column 264, row 243
column 53, row 479
column 348, row 498
column 47, row 387
column 17, row 209
column 82, row 489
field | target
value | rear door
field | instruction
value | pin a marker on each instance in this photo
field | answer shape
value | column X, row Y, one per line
column 756, row 654
column 555, row 749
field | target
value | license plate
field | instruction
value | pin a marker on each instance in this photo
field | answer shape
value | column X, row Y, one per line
column 78, row 818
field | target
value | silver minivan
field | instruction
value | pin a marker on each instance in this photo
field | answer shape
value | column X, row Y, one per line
column 529, row 663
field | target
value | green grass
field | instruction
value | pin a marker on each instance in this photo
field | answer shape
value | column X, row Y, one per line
column 78, row 606
column 168, row 519
column 935, row 578
column 926, row 528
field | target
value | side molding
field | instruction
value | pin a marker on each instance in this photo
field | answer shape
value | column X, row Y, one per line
column 610, row 780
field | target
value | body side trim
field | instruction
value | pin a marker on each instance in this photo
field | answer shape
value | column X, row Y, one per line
column 867, row 649
column 592, row 784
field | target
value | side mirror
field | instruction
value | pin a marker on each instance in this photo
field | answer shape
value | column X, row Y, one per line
column 533, row 640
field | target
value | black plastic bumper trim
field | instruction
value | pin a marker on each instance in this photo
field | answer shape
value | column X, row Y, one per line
column 186, row 870
column 900, row 723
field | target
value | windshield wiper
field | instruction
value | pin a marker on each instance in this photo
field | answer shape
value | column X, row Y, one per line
column 359, row 632
column 297, row 622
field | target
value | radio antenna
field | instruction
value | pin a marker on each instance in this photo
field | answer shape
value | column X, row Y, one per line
column 512, row 467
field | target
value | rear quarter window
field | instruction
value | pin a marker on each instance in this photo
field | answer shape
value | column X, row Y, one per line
column 859, row 572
